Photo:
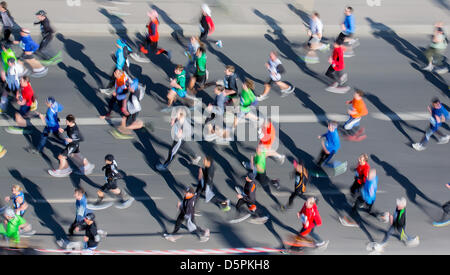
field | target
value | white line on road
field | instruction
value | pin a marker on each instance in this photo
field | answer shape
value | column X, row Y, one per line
column 297, row 118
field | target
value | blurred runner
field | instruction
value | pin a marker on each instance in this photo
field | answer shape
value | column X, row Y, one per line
column 72, row 150
column 301, row 179
column 336, row 70
column 120, row 57
column 247, row 104
column 29, row 48
column 180, row 132
column 153, row 36
column 120, row 93
column 80, row 210
column 201, row 74
column 356, row 112
column 436, row 50
column 178, row 85
column 12, row 72
column 257, row 164
column 398, row 224
column 193, row 46
column 205, row 184
column 315, row 40
column 187, row 213
column 230, row 84
column 330, row 145
column 215, row 127
column 16, row 227
column 18, row 200
column 206, row 24
column 348, row 31
column 47, row 36
column 367, row 196
column 438, row 115
column 7, row 21
column 361, row 174
column 51, row 121
column 276, row 69
column 267, row 134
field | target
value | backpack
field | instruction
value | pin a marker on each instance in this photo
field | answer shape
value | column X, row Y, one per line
column 134, row 101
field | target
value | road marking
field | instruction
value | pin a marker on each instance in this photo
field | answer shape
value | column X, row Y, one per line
column 294, row 118
column 63, row 201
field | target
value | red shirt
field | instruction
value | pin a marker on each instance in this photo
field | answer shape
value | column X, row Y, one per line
column 338, row 59
column 363, row 172
column 313, row 217
column 153, row 30
column 269, row 135
column 28, row 94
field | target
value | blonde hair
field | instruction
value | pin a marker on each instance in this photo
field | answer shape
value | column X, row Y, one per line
column 17, row 187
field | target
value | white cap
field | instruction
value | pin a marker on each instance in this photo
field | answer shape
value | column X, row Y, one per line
column 206, row 9
column 401, row 202
column 9, row 212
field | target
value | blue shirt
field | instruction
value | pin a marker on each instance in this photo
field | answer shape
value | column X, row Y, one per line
column 369, row 190
column 28, row 44
column 349, row 23
column 81, row 209
column 441, row 112
column 120, row 58
column 51, row 118
column 332, row 142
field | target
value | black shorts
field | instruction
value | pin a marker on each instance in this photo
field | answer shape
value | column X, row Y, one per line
column 109, row 186
column 71, row 148
column 200, row 79
column 131, row 119
column 271, row 82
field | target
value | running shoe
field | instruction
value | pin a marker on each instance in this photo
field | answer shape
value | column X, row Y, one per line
column 2, row 151
column 444, row 140
column 262, row 97
column 428, row 68
column 196, row 160
column 418, row 147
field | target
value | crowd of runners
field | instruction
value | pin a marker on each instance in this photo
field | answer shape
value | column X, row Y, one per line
column 240, row 102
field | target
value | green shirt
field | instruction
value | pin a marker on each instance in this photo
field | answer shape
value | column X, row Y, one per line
column 259, row 161
column 181, row 80
column 201, row 64
column 441, row 45
column 9, row 53
column 12, row 228
column 247, row 98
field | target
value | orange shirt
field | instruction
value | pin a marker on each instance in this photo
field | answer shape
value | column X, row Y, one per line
column 360, row 107
column 269, row 135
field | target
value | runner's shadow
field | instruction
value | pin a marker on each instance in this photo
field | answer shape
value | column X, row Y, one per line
column 434, row 79
column 395, row 119
column 411, row 190
column 42, row 208
column 136, row 187
column 160, row 91
column 90, row 95
column 228, row 233
column 118, row 24
column 152, row 158
column 75, row 51
column 303, row 15
column 177, row 33
column 330, row 192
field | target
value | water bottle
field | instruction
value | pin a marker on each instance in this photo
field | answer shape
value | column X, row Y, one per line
column 219, row 43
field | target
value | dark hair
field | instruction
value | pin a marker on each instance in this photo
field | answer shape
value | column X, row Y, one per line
column 26, row 78
column 316, row 14
column 350, row 9
column 209, row 158
column 179, row 67
column 201, row 49
column 435, row 100
column 70, row 118
column 220, row 88
column 11, row 60
column 4, row 5
column 360, row 93
column 79, row 190
column 109, row 157
column 249, row 83
column 230, row 68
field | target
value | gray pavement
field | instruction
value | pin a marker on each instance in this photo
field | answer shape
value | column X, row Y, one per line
column 385, row 66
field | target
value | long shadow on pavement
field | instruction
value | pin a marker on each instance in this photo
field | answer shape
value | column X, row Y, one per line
column 118, row 24
column 75, row 51
column 43, row 209
column 396, row 120
column 411, row 190
column 177, row 33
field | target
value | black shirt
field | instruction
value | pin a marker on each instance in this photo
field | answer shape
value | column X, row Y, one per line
column 204, row 24
column 90, row 232
column 46, row 29
column 208, row 174
column 188, row 206
column 74, row 134
column 230, row 83
column 249, row 191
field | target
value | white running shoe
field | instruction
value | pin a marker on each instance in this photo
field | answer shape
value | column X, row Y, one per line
column 196, row 160
column 418, row 147
column 428, row 68
column 107, row 91
column 288, row 90
column 444, row 140
column 262, row 97
column 343, row 79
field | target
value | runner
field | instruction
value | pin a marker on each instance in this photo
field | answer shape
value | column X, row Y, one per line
column 368, row 194
column 301, row 179
column 178, row 85
column 248, row 197
column 356, row 112
column 348, row 27
column 18, row 200
column 29, row 48
column 330, row 145
column 361, row 174
column 187, row 213
column 398, row 224
column 446, row 212
column 7, row 21
column 230, row 84
column 120, row 93
column 193, row 46
column 111, row 176
column 215, row 127
column 201, row 74
column 206, row 24
column 47, row 36
column 25, row 99
column 248, row 103
column 336, row 70
column 258, row 166
column 438, row 115
column 51, row 121
column 180, row 132
column 436, row 50
column 72, row 150
column 205, row 184
column 12, row 71
column 16, row 227
column 121, row 59
column 80, row 210
column 314, row 43
column 91, row 237
column 267, row 132
column 276, row 69
column 310, row 218
column 153, row 36
column 133, row 107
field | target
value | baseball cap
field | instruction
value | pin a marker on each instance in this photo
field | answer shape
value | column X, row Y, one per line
column 51, row 99
column 109, row 157
column 90, row 216
column 41, row 12
column 251, row 176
